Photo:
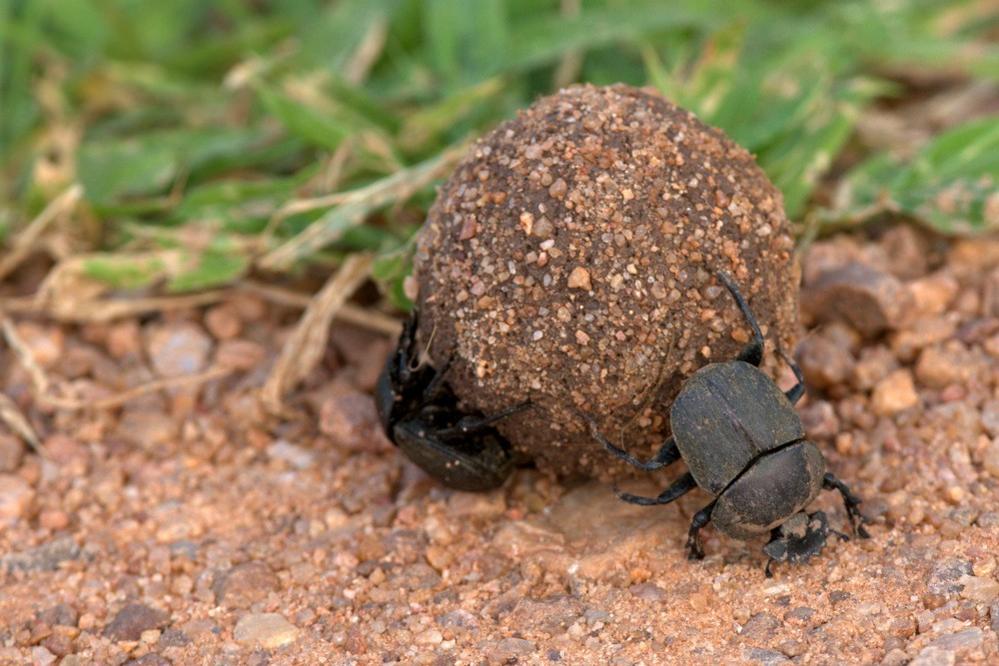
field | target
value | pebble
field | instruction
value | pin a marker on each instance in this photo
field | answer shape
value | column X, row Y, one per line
column 350, row 419
column 932, row 294
column 552, row 616
column 990, row 458
column 268, row 630
column 147, row 429
column 11, row 452
column 937, row 368
column 178, row 349
column 934, row 656
column 510, row 650
column 46, row 343
column 894, row 393
column 905, row 251
column 16, row 496
column 60, row 642
column 240, row 355
column 824, row 362
column 173, row 638
column 244, row 585
column 460, row 620
column 820, row 420
column 46, row 557
column 476, row 505
column 868, row 299
column 200, row 629
column 59, row 615
column 223, row 322
column 132, row 620
column 579, row 278
column 768, row 657
column 895, row 657
column 800, row 615
column 648, row 591
column 760, row 627
column 874, row 364
column 150, row 659
column 297, row 456
column 979, row 589
column 53, row 519
column 904, row 626
column 124, row 339
column 946, row 577
column 960, row 641
column 990, row 417
column 40, row 656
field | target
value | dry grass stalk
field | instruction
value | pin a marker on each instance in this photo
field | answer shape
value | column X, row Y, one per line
column 48, row 393
column 18, row 423
column 306, row 345
column 368, row 51
column 354, row 208
column 25, row 242
column 373, row 320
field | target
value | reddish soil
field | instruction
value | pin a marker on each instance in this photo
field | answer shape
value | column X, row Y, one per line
column 187, row 527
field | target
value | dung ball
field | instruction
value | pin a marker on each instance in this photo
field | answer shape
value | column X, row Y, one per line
column 571, row 258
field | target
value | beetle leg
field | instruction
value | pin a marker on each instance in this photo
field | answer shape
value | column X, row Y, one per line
column 701, row 518
column 677, row 489
column 473, row 425
column 667, row 454
column 850, row 501
column 795, row 392
column 752, row 353
column 433, row 389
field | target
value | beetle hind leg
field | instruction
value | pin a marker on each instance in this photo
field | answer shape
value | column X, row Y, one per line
column 700, row 519
column 850, row 501
column 752, row 353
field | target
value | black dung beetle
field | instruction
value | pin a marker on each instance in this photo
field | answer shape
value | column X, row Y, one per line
column 745, row 445
column 420, row 414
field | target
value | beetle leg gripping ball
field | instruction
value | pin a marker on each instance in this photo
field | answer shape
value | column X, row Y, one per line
column 569, row 260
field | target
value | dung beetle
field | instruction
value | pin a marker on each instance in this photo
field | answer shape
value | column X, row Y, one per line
column 420, row 414
column 745, row 445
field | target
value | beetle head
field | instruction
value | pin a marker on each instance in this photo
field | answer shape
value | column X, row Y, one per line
column 799, row 537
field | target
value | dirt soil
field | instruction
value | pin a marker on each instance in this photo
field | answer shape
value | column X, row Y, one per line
column 187, row 527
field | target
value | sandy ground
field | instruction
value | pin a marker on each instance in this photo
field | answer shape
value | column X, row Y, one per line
column 186, row 527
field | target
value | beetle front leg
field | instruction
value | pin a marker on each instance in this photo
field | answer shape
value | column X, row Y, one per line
column 474, row 425
column 433, row 391
column 752, row 353
column 701, row 518
column 850, row 501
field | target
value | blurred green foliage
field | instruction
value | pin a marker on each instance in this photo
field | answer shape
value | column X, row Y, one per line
column 193, row 124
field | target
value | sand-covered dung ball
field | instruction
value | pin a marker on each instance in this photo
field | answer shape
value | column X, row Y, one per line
column 570, row 259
